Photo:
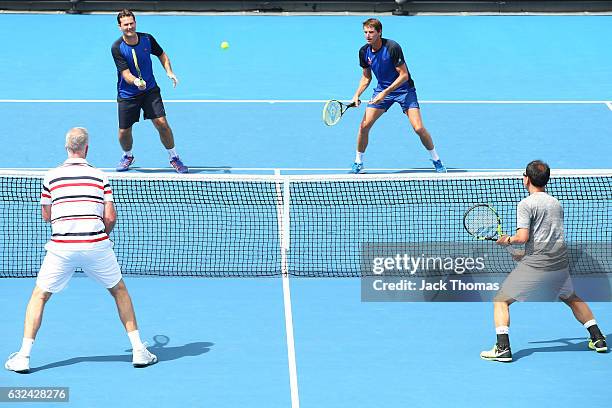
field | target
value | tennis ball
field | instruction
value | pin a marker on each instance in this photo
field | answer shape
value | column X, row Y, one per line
column 224, row 45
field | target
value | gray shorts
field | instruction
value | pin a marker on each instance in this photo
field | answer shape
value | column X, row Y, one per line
column 528, row 284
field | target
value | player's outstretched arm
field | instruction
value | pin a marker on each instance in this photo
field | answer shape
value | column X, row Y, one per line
column 134, row 80
column 165, row 61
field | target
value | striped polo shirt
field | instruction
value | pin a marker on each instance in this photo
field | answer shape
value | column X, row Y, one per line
column 76, row 192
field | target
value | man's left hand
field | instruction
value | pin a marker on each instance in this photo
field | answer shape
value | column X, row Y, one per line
column 174, row 79
column 378, row 98
column 503, row 240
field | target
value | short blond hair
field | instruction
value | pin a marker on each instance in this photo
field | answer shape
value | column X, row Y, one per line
column 374, row 23
column 77, row 140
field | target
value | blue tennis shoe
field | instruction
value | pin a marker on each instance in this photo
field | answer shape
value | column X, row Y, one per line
column 178, row 165
column 357, row 168
column 125, row 163
column 440, row 168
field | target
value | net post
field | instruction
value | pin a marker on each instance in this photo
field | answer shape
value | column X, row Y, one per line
column 286, row 230
column 283, row 214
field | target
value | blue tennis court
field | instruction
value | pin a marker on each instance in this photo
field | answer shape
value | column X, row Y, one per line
column 495, row 92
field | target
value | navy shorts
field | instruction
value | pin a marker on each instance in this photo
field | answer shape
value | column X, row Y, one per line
column 407, row 100
column 150, row 102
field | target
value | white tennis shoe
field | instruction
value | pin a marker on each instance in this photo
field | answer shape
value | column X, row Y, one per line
column 143, row 357
column 18, row 363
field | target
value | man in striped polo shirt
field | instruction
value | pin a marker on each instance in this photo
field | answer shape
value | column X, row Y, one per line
column 78, row 202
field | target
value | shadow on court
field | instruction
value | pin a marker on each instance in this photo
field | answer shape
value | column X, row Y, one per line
column 160, row 349
column 563, row 345
column 192, row 170
column 416, row 170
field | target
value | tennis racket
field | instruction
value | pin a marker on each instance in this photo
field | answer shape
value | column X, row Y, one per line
column 136, row 64
column 333, row 111
column 482, row 222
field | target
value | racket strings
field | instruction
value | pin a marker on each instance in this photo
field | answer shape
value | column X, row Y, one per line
column 136, row 63
column 332, row 113
column 482, row 222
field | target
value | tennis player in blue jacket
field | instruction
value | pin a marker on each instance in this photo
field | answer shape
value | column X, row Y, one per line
column 385, row 59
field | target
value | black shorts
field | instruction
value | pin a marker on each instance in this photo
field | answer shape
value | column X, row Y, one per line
column 150, row 102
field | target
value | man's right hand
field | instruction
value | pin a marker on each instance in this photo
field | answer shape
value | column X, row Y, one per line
column 140, row 84
column 355, row 101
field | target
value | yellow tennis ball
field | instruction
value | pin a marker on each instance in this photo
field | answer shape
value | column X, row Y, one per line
column 224, row 45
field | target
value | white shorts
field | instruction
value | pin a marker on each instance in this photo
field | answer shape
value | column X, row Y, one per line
column 59, row 266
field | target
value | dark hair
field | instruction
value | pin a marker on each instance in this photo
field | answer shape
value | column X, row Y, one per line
column 125, row 13
column 373, row 22
column 538, row 173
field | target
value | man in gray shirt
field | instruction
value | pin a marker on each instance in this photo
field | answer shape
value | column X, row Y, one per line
column 543, row 270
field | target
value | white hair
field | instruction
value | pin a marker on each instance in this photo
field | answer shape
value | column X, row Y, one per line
column 77, row 139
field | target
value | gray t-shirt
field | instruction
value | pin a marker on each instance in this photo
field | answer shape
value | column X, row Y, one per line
column 542, row 215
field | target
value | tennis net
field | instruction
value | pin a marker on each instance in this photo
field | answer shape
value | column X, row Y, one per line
column 259, row 225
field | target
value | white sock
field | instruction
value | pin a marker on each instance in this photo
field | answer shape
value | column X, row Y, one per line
column 434, row 154
column 590, row 323
column 502, row 330
column 26, row 347
column 359, row 157
column 172, row 153
column 135, row 340
column 128, row 153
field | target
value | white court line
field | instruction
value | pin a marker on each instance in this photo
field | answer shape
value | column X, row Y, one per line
column 609, row 105
column 305, row 169
column 57, row 101
column 272, row 101
column 522, row 102
column 221, row 169
column 282, row 208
